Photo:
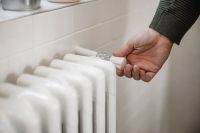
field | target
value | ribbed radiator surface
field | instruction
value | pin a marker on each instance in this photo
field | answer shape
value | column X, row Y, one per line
column 73, row 95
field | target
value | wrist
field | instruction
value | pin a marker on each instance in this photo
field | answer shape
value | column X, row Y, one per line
column 159, row 38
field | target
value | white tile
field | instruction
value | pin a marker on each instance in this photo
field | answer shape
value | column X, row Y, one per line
column 139, row 15
column 141, row 5
column 98, row 35
column 46, row 6
column 20, row 63
column 3, row 69
column 85, row 15
column 108, row 9
column 97, row 12
column 16, row 36
column 53, row 25
column 118, row 27
column 122, row 6
column 112, row 46
column 13, row 66
column 56, row 49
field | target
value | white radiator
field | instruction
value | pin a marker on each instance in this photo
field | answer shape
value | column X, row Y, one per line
column 73, row 95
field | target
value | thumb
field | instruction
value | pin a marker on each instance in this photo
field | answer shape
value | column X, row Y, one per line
column 125, row 50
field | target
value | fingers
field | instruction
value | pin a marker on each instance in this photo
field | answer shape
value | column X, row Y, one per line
column 119, row 72
column 136, row 72
column 146, row 77
column 149, row 76
column 133, row 71
column 128, row 70
column 125, row 50
column 142, row 75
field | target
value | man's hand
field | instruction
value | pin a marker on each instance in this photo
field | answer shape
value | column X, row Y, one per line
column 145, row 53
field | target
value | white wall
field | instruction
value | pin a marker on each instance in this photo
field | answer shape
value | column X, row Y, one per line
column 28, row 42
column 103, row 24
column 184, row 90
column 141, row 107
column 106, row 25
column 171, row 103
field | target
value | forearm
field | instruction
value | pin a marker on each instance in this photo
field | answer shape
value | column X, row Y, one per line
column 173, row 18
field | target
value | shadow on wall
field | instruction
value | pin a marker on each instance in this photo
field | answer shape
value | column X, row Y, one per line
column 184, row 90
column 96, row 34
column 12, row 77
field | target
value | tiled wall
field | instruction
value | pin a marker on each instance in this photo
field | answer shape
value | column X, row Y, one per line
column 28, row 42
column 103, row 24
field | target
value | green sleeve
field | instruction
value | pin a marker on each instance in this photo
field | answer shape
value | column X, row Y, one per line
column 174, row 18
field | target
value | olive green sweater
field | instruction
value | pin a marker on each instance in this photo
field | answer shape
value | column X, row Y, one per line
column 173, row 18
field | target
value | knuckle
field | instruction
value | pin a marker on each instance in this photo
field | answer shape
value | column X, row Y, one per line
column 147, row 80
column 136, row 78
column 120, row 75
column 128, row 74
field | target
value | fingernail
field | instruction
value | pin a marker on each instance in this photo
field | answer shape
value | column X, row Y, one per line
column 136, row 68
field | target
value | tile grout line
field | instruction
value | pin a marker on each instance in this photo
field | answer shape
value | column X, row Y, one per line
column 65, row 36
